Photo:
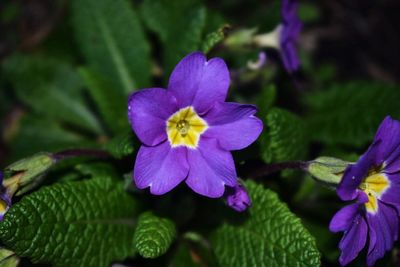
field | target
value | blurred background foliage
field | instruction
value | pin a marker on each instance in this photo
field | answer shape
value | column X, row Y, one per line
column 67, row 68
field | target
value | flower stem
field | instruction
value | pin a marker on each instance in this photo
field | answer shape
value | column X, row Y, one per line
column 276, row 167
column 80, row 153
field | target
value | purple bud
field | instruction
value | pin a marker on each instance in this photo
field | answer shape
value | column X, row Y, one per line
column 237, row 198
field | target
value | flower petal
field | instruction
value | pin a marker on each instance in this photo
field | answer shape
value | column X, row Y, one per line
column 389, row 134
column 353, row 240
column 289, row 9
column 148, row 110
column 354, row 174
column 343, row 219
column 161, row 168
column 233, row 125
column 383, row 232
column 198, row 82
column 211, row 168
column 392, row 194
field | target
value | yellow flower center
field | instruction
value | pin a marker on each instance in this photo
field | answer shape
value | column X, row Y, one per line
column 185, row 127
column 3, row 206
column 374, row 185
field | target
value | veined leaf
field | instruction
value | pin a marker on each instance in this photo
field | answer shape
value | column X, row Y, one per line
column 78, row 224
column 271, row 236
column 350, row 113
column 166, row 18
column 110, row 101
column 284, row 138
column 52, row 88
column 112, row 41
column 53, row 138
column 153, row 235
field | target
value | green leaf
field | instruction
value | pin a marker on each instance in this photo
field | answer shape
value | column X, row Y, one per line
column 284, row 137
column 350, row 113
column 121, row 145
column 52, row 88
column 179, row 25
column 53, row 137
column 112, row 41
column 214, row 38
column 110, row 101
column 86, row 223
column 270, row 236
column 153, row 235
column 266, row 100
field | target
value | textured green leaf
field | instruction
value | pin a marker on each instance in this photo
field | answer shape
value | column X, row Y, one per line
column 85, row 223
column 153, row 235
column 112, row 41
column 350, row 113
column 110, row 101
column 121, row 145
column 284, row 137
column 271, row 236
column 166, row 18
column 50, row 87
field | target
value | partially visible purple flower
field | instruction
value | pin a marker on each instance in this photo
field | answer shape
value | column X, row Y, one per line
column 237, row 198
column 284, row 37
column 188, row 130
column 289, row 33
column 374, row 185
column 5, row 200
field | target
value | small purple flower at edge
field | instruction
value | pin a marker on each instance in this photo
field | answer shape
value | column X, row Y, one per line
column 5, row 200
column 290, row 30
column 284, row 37
column 373, row 183
column 188, row 130
column 237, row 198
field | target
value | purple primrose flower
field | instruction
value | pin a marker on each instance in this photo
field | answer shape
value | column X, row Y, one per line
column 237, row 198
column 5, row 200
column 289, row 33
column 188, row 130
column 374, row 185
column 284, row 37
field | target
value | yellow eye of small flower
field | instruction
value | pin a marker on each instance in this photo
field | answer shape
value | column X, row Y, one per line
column 374, row 185
column 185, row 127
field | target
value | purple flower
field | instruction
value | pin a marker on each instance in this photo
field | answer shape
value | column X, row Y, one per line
column 5, row 200
column 237, row 198
column 374, row 185
column 289, row 33
column 188, row 130
column 284, row 36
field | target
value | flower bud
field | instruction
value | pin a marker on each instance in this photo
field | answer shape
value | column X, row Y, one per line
column 237, row 198
column 27, row 173
column 327, row 169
